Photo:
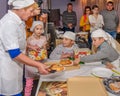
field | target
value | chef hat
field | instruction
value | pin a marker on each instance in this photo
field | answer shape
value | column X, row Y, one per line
column 99, row 33
column 35, row 23
column 105, row 35
column 69, row 35
column 18, row 4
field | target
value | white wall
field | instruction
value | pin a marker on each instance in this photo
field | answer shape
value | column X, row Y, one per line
column 62, row 5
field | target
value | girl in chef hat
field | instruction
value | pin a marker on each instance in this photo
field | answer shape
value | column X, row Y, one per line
column 106, row 49
column 36, row 45
column 12, row 48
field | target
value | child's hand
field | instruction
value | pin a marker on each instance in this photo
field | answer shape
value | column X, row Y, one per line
column 33, row 47
column 76, row 61
column 65, row 55
column 36, row 48
column 109, row 65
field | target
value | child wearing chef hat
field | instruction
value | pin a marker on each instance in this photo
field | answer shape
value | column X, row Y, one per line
column 66, row 49
column 36, row 49
column 106, row 49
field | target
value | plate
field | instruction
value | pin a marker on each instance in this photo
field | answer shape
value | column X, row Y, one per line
column 66, row 63
column 56, row 68
column 102, row 72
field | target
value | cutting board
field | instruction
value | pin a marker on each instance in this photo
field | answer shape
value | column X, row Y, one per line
column 86, row 86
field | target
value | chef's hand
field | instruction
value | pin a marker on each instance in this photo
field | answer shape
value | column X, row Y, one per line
column 42, row 69
column 76, row 61
column 109, row 65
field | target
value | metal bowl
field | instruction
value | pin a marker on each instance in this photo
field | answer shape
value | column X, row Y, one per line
column 107, row 82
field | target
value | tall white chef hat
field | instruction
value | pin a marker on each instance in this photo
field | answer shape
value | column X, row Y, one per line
column 100, row 33
column 105, row 35
column 35, row 23
column 69, row 35
column 18, row 4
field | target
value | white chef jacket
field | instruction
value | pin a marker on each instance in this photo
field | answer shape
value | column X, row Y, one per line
column 98, row 22
column 12, row 36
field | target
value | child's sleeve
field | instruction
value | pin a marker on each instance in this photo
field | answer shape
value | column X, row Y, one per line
column 56, row 53
column 100, row 55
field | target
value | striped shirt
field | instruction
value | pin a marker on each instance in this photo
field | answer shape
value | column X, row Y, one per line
column 69, row 17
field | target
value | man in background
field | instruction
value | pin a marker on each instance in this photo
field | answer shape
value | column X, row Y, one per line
column 69, row 18
column 111, row 19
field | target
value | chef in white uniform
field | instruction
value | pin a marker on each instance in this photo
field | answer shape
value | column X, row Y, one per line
column 12, row 47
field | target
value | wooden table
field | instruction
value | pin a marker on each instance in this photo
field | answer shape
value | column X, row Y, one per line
column 82, row 70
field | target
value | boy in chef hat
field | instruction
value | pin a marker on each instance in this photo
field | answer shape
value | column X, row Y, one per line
column 105, row 46
column 66, row 49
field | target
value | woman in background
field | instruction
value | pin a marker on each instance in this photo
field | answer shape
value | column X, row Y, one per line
column 95, row 19
column 84, row 20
